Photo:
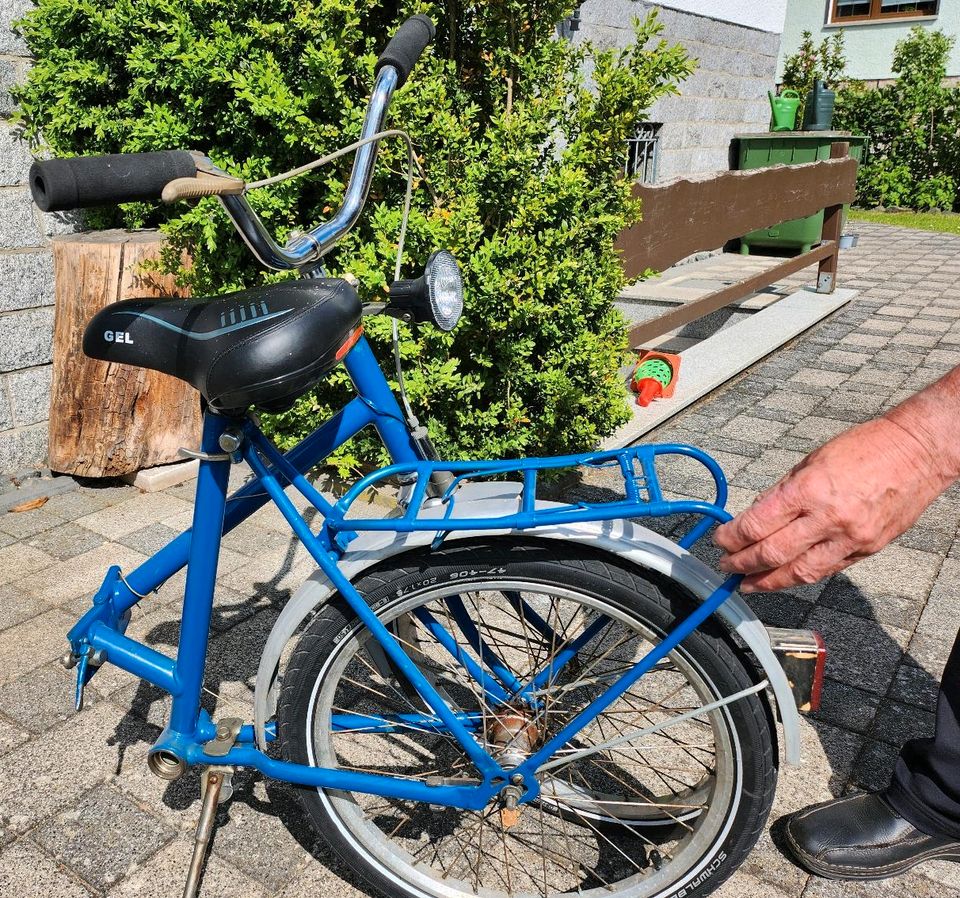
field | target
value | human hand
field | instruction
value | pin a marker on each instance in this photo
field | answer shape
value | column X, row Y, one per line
column 845, row 501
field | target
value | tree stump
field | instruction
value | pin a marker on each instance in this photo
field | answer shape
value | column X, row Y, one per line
column 108, row 419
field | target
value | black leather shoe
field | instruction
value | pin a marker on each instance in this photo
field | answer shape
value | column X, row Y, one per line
column 861, row 837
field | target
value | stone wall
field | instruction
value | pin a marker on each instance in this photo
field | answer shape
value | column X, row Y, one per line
column 726, row 95
column 26, row 278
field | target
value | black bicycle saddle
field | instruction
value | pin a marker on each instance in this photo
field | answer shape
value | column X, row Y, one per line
column 262, row 347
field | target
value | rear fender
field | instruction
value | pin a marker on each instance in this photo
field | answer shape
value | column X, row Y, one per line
column 630, row 542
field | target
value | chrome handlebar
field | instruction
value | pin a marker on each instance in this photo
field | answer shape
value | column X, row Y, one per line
column 303, row 250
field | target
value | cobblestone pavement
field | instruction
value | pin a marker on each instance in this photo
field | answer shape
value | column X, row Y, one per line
column 81, row 815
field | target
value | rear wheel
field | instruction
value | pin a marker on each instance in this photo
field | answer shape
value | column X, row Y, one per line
column 670, row 803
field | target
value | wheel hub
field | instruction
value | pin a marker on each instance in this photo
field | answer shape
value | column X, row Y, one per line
column 512, row 737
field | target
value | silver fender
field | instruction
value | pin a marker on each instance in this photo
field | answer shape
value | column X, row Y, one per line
column 631, row 542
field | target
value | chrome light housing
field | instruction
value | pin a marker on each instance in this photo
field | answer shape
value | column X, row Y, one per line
column 444, row 289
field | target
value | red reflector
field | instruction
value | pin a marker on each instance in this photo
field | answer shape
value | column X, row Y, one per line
column 816, row 690
column 350, row 342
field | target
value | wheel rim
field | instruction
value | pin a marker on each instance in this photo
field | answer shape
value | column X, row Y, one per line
column 631, row 820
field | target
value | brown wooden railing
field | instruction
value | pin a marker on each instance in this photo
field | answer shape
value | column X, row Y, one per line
column 694, row 215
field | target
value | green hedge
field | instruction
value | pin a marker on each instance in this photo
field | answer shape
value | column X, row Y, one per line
column 525, row 155
column 913, row 123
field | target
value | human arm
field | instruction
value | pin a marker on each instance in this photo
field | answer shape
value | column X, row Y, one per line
column 850, row 497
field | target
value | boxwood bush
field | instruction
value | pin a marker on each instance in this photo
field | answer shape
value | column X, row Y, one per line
column 524, row 151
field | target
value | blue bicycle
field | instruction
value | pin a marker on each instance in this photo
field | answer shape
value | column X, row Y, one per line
column 482, row 693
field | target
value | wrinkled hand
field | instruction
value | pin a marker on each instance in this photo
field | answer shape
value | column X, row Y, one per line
column 845, row 501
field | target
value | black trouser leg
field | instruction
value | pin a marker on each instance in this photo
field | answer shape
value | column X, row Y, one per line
column 925, row 788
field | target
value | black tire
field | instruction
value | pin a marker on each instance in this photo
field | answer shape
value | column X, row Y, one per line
column 644, row 595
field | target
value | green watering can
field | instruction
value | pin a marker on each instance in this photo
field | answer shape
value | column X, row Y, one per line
column 784, row 110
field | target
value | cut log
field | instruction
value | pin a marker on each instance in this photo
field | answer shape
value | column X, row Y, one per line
column 108, row 419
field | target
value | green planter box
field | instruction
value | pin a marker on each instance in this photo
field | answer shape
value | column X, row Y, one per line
column 790, row 148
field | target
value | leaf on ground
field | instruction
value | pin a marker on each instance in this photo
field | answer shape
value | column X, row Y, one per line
column 31, row 504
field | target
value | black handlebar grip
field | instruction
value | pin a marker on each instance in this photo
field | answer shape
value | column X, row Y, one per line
column 59, row 184
column 406, row 46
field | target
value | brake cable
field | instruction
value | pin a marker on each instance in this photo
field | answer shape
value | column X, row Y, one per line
column 412, row 163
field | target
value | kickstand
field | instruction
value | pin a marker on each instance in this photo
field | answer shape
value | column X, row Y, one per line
column 215, row 788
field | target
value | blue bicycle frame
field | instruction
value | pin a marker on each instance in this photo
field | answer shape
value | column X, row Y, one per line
column 99, row 636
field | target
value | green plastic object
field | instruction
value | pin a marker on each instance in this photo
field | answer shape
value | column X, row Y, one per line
column 657, row 369
column 818, row 110
column 762, row 150
column 784, row 109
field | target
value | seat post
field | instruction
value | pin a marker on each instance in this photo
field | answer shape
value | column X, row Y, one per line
column 208, row 512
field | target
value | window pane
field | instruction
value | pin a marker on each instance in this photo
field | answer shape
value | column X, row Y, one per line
column 848, row 8
column 917, row 7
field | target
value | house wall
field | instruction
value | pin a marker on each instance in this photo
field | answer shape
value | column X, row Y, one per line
column 726, row 95
column 26, row 277
column 869, row 45
column 764, row 15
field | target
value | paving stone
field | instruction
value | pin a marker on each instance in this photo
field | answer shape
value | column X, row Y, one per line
column 897, row 723
column 882, row 326
column 81, row 573
column 914, row 339
column 769, row 863
column 896, row 571
column 150, row 539
column 944, row 873
column 745, row 885
column 852, row 406
column 768, row 469
column 819, row 429
column 900, row 610
column 83, row 500
column 874, row 767
column 929, row 652
column 252, row 540
column 66, row 541
column 47, row 774
column 102, row 836
column 787, row 406
column 326, row 878
column 23, row 524
column 220, row 879
column 16, row 606
column 914, row 686
column 754, row 430
column 41, row 698
column 27, row 872
column 19, row 560
column 942, row 612
column 33, row 642
column 274, row 575
column 859, row 653
column 11, row 736
column 846, row 706
column 134, row 514
column 873, row 341
column 843, row 360
column 926, row 540
column 779, row 609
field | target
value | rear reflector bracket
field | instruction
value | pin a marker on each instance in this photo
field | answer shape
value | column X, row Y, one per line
column 803, row 656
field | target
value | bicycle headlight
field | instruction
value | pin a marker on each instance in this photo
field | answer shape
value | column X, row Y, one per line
column 444, row 289
column 436, row 297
